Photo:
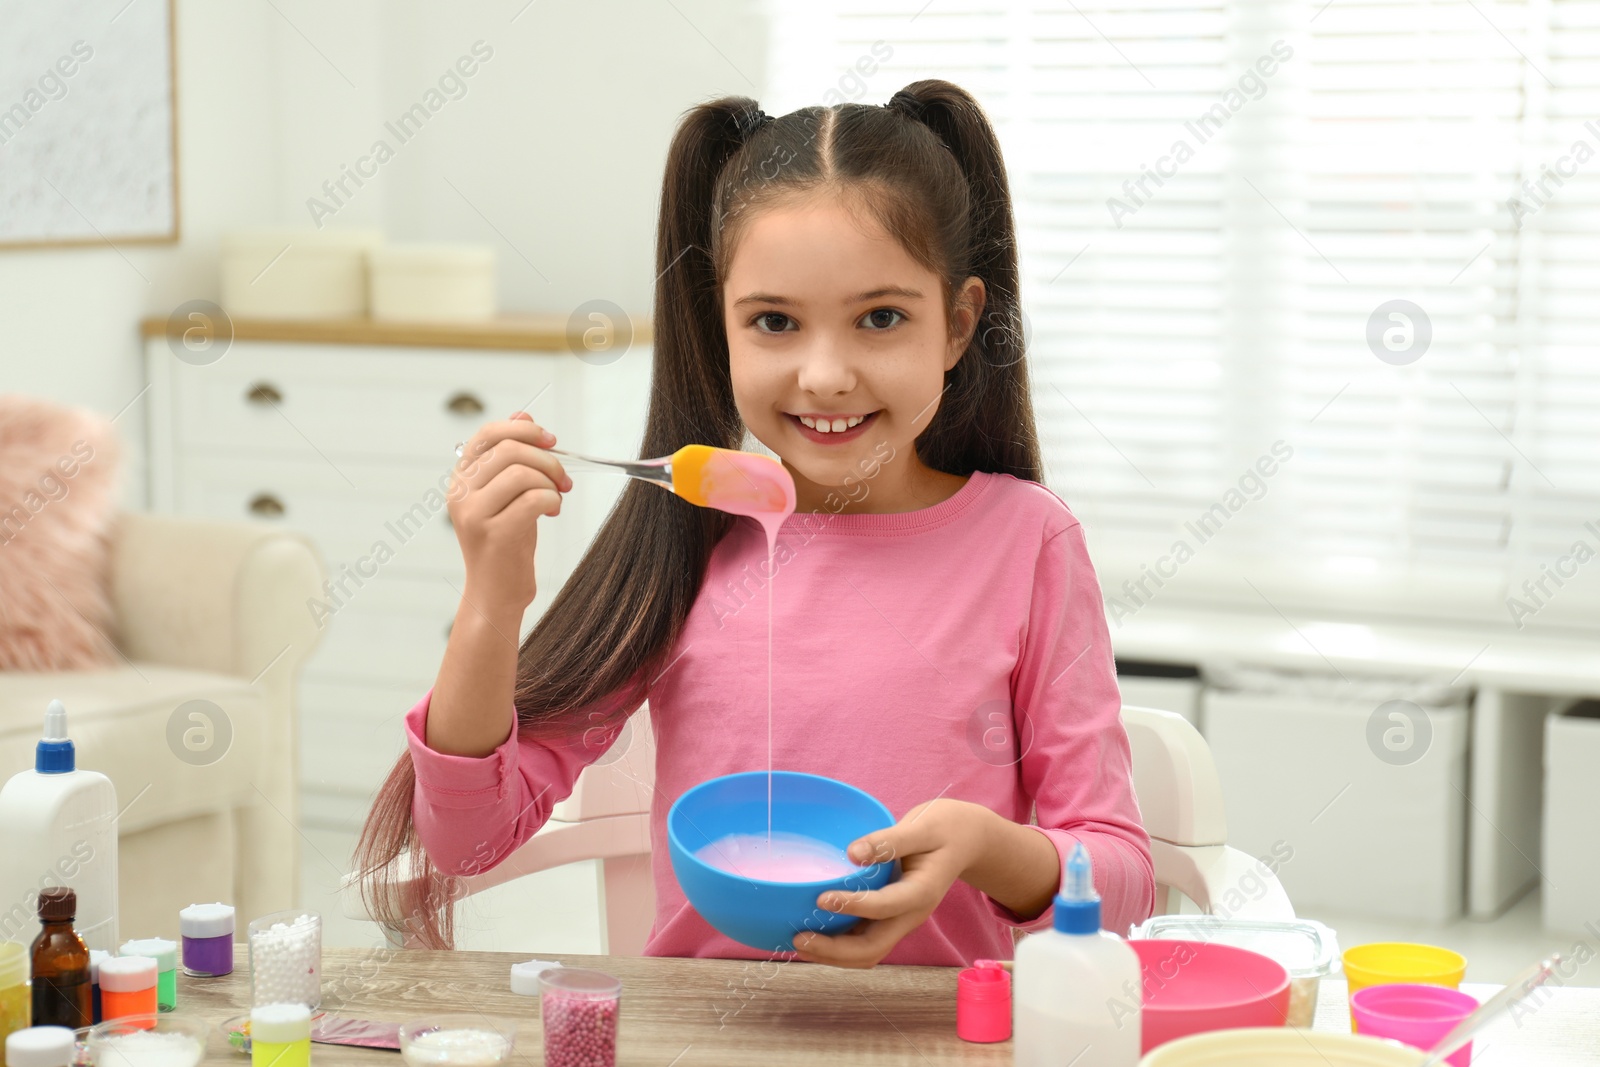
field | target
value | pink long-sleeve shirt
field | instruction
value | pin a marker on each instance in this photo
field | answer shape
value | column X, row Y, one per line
column 960, row 650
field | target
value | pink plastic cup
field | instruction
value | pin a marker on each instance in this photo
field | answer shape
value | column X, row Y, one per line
column 1418, row 1015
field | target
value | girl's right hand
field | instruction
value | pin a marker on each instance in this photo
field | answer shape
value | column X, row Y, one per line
column 503, row 482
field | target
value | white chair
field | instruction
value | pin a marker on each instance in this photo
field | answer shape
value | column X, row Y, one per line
column 607, row 818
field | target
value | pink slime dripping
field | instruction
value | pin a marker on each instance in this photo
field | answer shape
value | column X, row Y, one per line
column 745, row 483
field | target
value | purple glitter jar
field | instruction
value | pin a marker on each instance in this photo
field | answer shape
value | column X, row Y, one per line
column 207, row 931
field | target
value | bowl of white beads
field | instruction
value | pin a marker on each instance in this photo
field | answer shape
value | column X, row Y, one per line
column 150, row 1039
column 459, row 1040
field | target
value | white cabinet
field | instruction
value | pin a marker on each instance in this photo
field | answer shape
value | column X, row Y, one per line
column 1571, row 798
column 352, row 443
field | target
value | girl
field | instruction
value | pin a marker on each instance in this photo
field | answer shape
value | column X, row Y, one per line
column 840, row 283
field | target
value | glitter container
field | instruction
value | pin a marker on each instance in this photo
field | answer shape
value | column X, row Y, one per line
column 579, row 1010
column 128, row 987
column 16, row 995
column 165, row 953
column 207, row 931
column 280, row 1035
column 96, row 957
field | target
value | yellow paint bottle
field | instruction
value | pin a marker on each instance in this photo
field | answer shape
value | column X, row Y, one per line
column 280, row 1035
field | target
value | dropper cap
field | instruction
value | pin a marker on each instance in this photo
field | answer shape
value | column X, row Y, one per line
column 54, row 754
column 1077, row 906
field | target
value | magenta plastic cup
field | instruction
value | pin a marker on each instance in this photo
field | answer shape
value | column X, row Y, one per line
column 579, row 1009
column 1418, row 1015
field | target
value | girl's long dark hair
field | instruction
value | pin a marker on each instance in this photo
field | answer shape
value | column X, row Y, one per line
column 928, row 167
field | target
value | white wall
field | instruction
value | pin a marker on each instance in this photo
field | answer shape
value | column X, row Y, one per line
column 68, row 317
column 556, row 147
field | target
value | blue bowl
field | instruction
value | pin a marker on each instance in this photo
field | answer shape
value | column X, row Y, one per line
column 761, row 914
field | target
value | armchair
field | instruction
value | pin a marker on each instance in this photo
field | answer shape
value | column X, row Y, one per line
column 196, row 725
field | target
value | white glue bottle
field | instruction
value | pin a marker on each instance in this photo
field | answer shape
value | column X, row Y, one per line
column 1071, row 985
column 58, row 826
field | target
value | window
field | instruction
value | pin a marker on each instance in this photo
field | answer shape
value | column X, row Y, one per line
column 1311, row 287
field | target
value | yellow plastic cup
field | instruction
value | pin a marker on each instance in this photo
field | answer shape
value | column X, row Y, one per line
column 1389, row 962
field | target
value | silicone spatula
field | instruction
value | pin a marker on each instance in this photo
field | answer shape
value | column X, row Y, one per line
column 745, row 483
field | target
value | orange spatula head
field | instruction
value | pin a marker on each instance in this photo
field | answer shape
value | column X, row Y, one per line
column 744, row 483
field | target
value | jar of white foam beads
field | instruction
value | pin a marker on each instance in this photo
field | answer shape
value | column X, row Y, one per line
column 286, row 959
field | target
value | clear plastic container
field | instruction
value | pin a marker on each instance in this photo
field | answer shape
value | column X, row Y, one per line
column 1307, row 949
column 458, row 1040
column 579, row 1011
column 150, row 1039
column 286, row 959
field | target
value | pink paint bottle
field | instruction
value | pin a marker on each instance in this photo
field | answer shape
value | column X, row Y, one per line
column 983, row 1002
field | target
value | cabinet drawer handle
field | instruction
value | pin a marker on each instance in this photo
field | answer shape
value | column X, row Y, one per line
column 465, row 404
column 267, row 505
column 264, row 393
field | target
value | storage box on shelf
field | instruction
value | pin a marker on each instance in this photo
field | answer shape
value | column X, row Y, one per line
column 345, row 431
column 1570, row 860
column 297, row 273
column 1364, row 779
column 431, row 282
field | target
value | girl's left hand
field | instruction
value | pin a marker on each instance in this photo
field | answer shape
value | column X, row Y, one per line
column 936, row 842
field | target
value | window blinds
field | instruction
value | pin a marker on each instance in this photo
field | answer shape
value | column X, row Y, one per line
column 1240, row 221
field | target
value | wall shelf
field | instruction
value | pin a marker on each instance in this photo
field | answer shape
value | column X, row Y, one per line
column 515, row 333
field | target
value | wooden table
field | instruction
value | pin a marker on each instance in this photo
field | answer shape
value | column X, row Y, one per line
column 737, row 1013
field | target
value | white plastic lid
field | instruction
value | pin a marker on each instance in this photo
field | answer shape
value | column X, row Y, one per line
column 164, row 952
column 40, row 1046
column 278, row 1024
column 1303, row 947
column 96, row 957
column 525, row 976
column 206, row 920
column 127, row 974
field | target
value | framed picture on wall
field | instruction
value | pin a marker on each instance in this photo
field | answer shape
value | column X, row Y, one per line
column 88, row 136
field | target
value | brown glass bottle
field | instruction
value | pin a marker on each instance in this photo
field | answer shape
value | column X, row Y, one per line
column 61, row 989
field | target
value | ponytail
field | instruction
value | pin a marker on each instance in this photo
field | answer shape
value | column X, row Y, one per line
column 986, row 390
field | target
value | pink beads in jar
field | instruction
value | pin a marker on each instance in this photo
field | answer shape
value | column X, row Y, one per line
column 579, row 1010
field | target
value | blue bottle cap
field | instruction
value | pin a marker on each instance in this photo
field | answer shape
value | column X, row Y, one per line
column 1077, row 906
column 54, row 755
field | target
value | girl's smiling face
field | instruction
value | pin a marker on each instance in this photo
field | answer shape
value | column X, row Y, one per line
column 838, row 343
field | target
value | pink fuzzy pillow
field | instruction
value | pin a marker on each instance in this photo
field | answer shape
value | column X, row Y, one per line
column 58, row 498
